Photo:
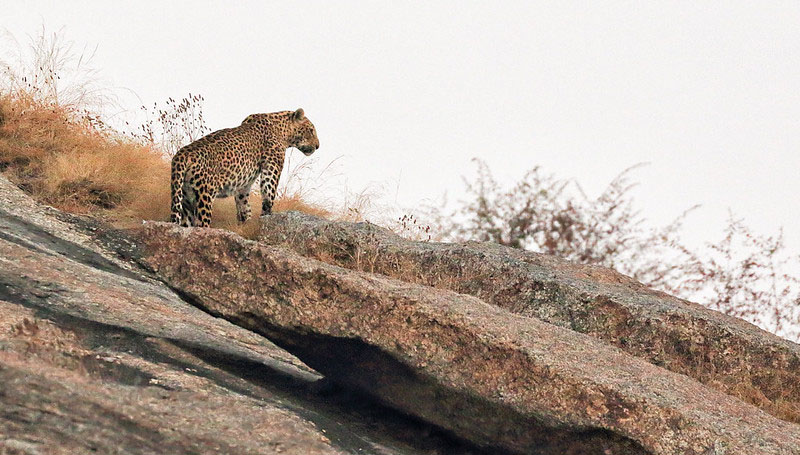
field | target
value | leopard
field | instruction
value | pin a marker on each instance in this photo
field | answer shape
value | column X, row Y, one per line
column 227, row 163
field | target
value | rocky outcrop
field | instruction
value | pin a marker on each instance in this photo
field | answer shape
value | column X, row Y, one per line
column 487, row 374
column 725, row 353
column 109, row 343
column 98, row 357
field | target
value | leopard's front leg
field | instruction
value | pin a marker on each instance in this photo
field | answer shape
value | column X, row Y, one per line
column 270, row 174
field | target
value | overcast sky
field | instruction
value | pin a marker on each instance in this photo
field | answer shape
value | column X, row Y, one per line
column 408, row 93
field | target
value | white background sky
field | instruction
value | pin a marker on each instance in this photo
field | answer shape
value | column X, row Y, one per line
column 408, row 92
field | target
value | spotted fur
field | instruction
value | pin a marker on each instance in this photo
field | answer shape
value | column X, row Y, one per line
column 227, row 163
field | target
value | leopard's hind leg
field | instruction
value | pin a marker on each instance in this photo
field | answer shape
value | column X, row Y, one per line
column 205, row 205
column 192, row 187
column 189, row 214
column 243, row 205
column 178, row 169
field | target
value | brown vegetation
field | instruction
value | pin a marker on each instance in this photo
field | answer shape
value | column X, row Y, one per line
column 745, row 275
column 55, row 145
column 66, row 161
column 70, row 161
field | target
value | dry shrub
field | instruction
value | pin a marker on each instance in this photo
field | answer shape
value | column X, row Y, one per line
column 295, row 201
column 66, row 161
column 744, row 274
column 409, row 227
column 56, row 148
column 307, row 187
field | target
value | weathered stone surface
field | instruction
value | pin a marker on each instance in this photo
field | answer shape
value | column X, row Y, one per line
column 96, row 357
column 487, row 374
column 726, row 353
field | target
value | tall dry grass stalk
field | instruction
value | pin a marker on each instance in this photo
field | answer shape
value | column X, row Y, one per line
column 53, row 71
column 173, row 125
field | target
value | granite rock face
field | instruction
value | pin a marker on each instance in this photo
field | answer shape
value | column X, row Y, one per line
column 96, row 356
column 496, row 377
column 725, row 353
column 337, row 338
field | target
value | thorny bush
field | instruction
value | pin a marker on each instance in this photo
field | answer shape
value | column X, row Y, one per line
column 743, row 275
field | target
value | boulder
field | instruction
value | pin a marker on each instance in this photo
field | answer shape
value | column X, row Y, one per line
column 725, row 353
column 98, row 357
column 487, row 374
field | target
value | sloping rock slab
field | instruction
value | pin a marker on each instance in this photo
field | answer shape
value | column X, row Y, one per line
column 490, row 376
column 97, row 357
column 724, row 352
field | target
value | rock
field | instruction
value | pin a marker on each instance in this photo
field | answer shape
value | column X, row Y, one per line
column 489, row 375
column 97, row 357
column 725, row 353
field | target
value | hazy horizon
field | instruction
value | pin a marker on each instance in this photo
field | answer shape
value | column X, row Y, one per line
column 408, row 95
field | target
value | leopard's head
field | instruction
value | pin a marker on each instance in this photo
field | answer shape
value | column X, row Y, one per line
column 303, row 135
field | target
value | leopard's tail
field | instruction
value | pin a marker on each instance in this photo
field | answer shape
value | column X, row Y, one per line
column 179, row 168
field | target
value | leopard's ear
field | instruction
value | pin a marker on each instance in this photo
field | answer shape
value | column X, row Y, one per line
column 298, row 115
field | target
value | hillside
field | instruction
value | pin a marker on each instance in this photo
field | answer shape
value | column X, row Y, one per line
column 98, row 356
column 333, row 337
column 310, row 335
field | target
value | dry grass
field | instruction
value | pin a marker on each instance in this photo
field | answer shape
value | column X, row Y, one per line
column 54, row 145
column 786, row 410
column 225, row 212
column 782, row 408
column 69, row 161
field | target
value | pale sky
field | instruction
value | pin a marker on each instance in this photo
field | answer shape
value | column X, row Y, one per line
column 406, row 93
